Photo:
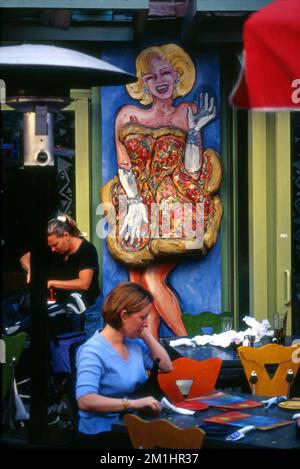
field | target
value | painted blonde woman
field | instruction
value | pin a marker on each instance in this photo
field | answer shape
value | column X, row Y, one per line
column 163, row 169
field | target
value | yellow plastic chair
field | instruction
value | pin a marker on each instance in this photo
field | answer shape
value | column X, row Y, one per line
column 161, row 433
column 204, row 374
column 257, row 362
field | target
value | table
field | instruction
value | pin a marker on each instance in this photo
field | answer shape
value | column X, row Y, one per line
column 279, row 438
column 231, row 374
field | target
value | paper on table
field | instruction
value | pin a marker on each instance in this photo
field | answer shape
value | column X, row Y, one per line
column 240, row 419
column 165, row 404
column 224, row 339
column 258, row 329
column 192, row 405
column 223, row 400
column 178, row 342
column 221, row 340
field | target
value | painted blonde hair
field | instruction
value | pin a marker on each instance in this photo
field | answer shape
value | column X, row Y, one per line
column 177, row 57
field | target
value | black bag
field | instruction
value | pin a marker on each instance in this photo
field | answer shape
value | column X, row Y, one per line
column 151, row 386
column 67, row 316
column 14, row 320
column 24, row 303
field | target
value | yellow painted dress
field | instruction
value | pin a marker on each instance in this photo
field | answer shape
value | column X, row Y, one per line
column 156, row 156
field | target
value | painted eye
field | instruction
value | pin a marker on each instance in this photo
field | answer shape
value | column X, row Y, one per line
column 149, row 77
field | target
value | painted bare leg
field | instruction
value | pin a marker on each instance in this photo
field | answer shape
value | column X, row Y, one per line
column 153, row 318
column 136, row 276
column 165, row 301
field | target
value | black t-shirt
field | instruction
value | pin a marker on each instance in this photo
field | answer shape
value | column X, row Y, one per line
column 85, row 257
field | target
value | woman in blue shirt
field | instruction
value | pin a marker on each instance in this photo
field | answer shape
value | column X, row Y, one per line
column 115, row 360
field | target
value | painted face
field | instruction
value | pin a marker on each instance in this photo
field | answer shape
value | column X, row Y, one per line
column 133, row 324
column 160, row 80
column 59, row 244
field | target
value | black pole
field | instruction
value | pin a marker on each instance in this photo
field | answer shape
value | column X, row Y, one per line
column 39, row 184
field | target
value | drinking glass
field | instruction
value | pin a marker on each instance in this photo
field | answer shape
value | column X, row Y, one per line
column 279, row 321
column 184, row 386
column 226, row 323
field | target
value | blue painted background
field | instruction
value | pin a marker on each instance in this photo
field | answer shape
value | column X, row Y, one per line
column 197, row 282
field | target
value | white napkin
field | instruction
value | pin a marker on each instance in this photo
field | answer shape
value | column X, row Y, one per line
column 165, row 404
column 184, row 341
column 221, row 340
column 224, row 339
column 258, row 329
column 273, row 401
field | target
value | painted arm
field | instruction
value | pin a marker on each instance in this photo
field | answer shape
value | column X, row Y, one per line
column 25, row 263
column 137, row 212
column 196, row 121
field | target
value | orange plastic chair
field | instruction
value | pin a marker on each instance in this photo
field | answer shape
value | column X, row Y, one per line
column 258, row 363
column 161, row 433
column 204, row 373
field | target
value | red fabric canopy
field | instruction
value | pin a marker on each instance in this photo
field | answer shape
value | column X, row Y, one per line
column 270, row 78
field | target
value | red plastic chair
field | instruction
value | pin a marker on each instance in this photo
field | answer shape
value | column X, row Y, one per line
column 204, row 374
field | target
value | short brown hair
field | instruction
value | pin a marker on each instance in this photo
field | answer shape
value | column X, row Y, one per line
column 128, row 296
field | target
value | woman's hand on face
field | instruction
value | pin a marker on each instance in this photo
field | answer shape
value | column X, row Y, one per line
column 145, row 333
column 206, row 112
column 149, row 403
column 136, row 216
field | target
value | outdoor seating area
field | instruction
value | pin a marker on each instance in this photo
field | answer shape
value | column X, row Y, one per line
column 191, row 385
column 276, row 427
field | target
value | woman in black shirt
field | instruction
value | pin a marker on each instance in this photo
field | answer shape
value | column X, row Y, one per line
column 72, row 267
column 73, row 261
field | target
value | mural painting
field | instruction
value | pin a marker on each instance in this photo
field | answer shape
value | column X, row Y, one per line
column 164, row 196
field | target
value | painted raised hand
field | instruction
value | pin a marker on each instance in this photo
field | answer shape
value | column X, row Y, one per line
column 207, row 112
column 133, row 222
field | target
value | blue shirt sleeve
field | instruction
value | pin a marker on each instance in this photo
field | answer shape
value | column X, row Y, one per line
column 90, row 370
column 147, row 358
